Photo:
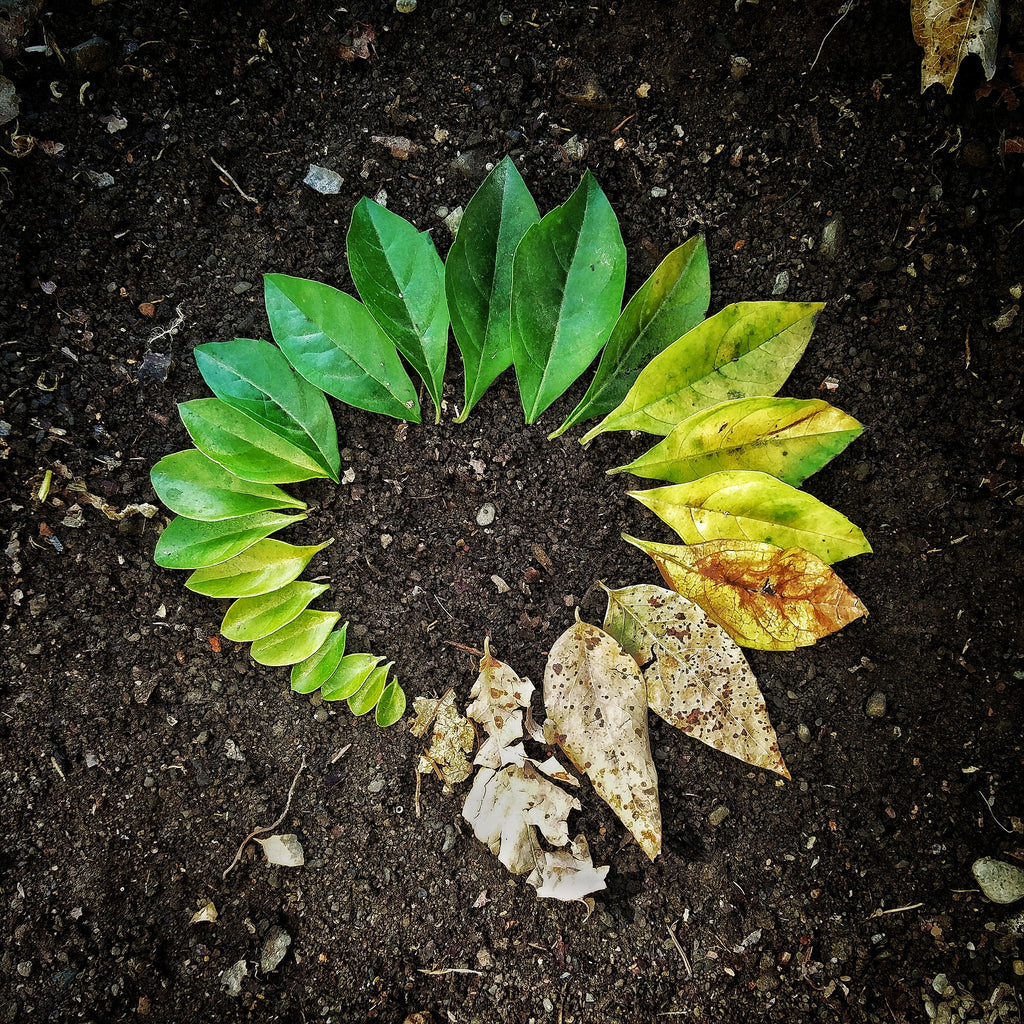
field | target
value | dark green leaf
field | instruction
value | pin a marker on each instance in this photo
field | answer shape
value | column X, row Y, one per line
column 311, row 674
column 267, row 565
column 391, row 705
column 366, row 697
column 295, row 641
column 252, row 618
column 192, row 544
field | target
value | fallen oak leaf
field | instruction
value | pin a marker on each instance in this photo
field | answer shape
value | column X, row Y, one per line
column 765, row 597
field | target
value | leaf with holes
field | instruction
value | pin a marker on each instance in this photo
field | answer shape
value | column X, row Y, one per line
column 950, row 30
column 268, row 565
column 193, row 544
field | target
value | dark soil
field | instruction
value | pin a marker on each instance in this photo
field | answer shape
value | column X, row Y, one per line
column 136, row 756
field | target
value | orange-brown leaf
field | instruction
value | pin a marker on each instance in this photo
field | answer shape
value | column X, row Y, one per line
column 949, row 30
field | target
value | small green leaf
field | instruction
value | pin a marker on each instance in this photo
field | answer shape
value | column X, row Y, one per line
column 740, row 504
column 350, row 674
column 194, row 486
column 311, row 674
column 568, row 277
column 747, row 349
column 251, row 618
column 334, row 342
column 786, row 437
column 267, row 565
column 672, row 301
column 400, row 279
column 244, row 446
column 391, row 705
column 193, row 544
column 366, row 697
column 478, row 276
column 295, row 641
column 255, row 378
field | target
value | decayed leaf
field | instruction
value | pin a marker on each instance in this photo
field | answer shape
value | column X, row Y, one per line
column 207, row 913
column 949, row 30
column 284, row 851
column 763, row 596
column 597, row 703
column 450, row 741
column 499, row 696
column 697, row 677
column 567, row 874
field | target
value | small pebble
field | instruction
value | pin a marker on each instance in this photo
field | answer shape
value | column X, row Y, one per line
column 999, row 881
column 25, row 968
column 803, row 733
column 241, row 287
column 453, row 220
column 875, row 705
column 376, row 786
column 658, row 193
column 505, row 17
column 405, row 6
column 323, row 180
column 718, row 815
column 832, row 237
column 486, row 514
column 274, row 948
column 781, row 285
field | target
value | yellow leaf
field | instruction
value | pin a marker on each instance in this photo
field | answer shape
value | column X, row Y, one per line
column 950, row 30
column 763, row 596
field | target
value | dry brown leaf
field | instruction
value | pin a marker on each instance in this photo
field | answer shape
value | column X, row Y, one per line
column 950, row 30
column 596, row 700
column 763, row 596
column 697, row 677
column 499, row 698
column 452, row 738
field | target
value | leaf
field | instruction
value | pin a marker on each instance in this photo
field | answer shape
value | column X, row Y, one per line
column 478, row 276
column 672, row 301
column 450, row 740
column 764, row 597
column 697, row 678
column 787, row 437
column 391, row 706
column 350, row 674
column 596, row 699
column 334, row 342
column 568, row 277
column 747, row 349
column 283, row 851
column 400, row 279
column 296, row 640
column 950, row 30
column 267, row 565
column 739, row 503
column 256, row 378
column 194, row 486
column 192, row 544
column 244, row 446
column 251, row 618
column 567, row 874
column 366, row 697
column 309, row 675
column 498, row 698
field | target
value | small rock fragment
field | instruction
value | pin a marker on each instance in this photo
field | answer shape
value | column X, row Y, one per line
column 9, row 102
column 284, row 851
column 803, row 733
column 91, row 57
column 999, row 881
column 453, row 220
column 503, row 587
column 231, row 979
column 718, row 815
column 156, row 366
column 874, row 706
column 274, row 948
column 485, row 516
column 781, row 285
column 323, row 180
column 833, row 235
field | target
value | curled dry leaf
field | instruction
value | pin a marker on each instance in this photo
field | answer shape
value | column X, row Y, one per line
column 499, row 696
column 950, row 30
column 697, row 677
column 763, row 596
column 567, row 874
column 596, row 701
column 450, row 741
column 207, row 913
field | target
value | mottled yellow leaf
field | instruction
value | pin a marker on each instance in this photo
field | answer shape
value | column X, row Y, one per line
column 949, row 30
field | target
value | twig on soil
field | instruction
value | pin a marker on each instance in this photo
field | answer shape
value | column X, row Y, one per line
column 985, row 800
column 448, row 970
column 843, row 12
column 898, row 910
column 267, row 828
column 680, row 951
column 244, row 195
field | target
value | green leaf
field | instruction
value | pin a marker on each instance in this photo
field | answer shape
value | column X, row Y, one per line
column 334, row 342
column 267, row 565
column 747, row 349
column 786, row 437
column 311, row 674
column 192, row 544
column 478, row 276
column 400, row 279
column 244, row 446
column 672, row 301
column 366, row 697
column 295, row 641
column 568, row 277
column 194, row 486
column 741, row 504
column 391, row 705
column 255, row 378
column 349, row 676
column 251, row 618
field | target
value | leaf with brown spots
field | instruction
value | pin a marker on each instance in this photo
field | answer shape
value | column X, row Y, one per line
column 763, row 596
column 597, row 709
column 499, row 696
column 697, row 678
column 950, row 30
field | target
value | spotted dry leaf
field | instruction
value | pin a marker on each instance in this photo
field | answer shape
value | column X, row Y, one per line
column 451, row 739
column 949, row 30
column 597, row 705
column 697, row 677
column 499, row 696
column 763, row 596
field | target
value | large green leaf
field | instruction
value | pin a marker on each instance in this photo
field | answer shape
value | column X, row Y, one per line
column 672, row 301
column 268, row 565
column 244, row 446
column 787, row 437
column 568, row 277
column 478, row 276
column 747, row 349
column 350, row 674
column 311, row 674
column 295, row 641
column 391, row 705
column 192, row 544
column 334, row 342
column 400, row 279
column 255, row 378
column 366, row 697
column 251, row 618
column 742, row 504
column 194, row 486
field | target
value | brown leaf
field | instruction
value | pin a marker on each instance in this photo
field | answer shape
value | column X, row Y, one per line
column 499, row 696
column 452, row 738
column 763, row 596
column 949, row 30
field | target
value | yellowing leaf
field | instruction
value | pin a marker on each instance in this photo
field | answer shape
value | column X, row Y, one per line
column 763, row 596
column 949, row 30
column 450, row 741
column 597, row 703
column 697, row 678
column 499, row 696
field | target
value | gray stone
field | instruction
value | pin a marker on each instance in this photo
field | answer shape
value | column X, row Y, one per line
column 274, row 948
column 485, row 516
column 999, row 881
column 323, row 180
column 874, row 706
column 9, row 102
column 231, row 979
column 91, row 57
column 833, row 234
